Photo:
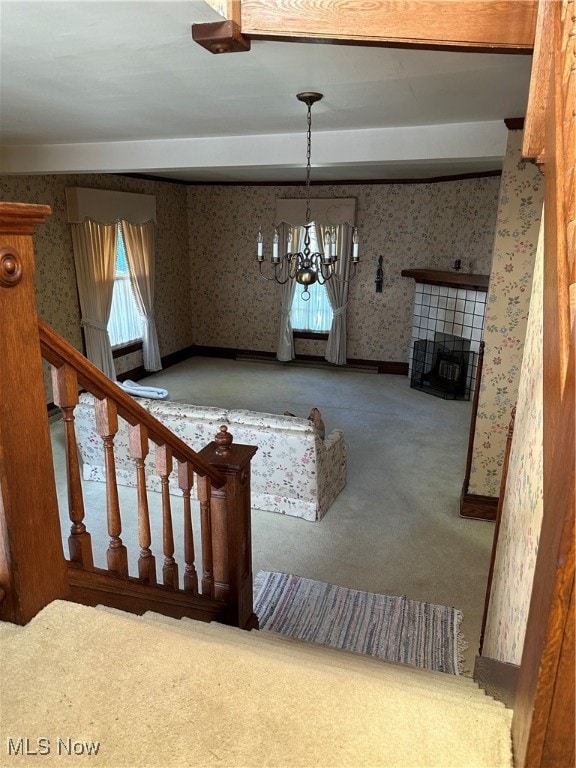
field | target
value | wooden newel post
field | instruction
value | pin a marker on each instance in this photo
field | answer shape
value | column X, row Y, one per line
column 32, row 567
column 232, row 528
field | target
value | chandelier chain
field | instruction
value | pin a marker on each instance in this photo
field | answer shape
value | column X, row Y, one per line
column 305, row 267
column 308, row 164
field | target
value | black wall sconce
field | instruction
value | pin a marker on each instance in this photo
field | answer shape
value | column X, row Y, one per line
column 379, row 276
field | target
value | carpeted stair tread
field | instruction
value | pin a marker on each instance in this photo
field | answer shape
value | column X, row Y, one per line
column 431, row 683
column 225, row 632
column 151, row 695
column 322, row 653
column 325, row 653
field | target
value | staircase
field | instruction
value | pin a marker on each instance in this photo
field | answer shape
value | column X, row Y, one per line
column 152, row 690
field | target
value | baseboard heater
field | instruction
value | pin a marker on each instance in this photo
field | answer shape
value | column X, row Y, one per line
column 307, row 363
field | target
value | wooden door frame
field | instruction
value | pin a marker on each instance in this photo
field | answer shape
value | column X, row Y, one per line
column 543, row 722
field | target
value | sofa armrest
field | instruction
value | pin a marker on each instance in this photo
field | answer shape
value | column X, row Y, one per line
column 331, row 458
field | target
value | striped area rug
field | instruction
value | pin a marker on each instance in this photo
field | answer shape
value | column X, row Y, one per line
column 391, row 628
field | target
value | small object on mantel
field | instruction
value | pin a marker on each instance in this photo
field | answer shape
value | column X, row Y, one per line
column 455, row 280
column 458, row 265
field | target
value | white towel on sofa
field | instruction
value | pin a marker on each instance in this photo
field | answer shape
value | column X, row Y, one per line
column 138, row 390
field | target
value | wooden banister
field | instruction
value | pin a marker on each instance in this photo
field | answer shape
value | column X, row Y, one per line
column 33, row 570
column 58, row 352
column 32, row 565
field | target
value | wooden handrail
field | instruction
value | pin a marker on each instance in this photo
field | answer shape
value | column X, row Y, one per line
column 57, row 351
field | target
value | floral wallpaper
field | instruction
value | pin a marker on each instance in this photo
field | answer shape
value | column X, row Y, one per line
column 410, row 225
column 208, row 290
column 517, row 228
column 522, row 510
column 55, row 281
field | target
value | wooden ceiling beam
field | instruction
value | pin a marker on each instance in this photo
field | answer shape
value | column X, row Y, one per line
column 494, row 25
column 222, row 36
column 538, row 98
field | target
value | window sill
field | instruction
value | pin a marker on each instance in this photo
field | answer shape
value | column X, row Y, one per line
column 126, row 349
column 313, row 335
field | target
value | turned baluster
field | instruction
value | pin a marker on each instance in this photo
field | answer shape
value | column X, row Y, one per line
column 185, row 481
column 163, row 468
column 65, row 389
column 230, row 529
column 204, row 495
column 107, row 427
column 138, row 447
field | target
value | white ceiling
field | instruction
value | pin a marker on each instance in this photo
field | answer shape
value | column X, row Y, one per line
column 119, row 86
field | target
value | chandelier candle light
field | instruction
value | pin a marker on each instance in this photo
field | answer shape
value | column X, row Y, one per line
column 304, row 266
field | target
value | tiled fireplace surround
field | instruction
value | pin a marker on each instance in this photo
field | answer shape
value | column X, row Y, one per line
column 449, row 303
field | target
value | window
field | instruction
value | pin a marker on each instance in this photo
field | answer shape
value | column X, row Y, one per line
column 125, row 323
column 315, row 314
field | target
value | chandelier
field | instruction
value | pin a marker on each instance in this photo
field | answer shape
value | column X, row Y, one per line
column 305, row 266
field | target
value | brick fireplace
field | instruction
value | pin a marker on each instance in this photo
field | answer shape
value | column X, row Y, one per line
column 447, row 324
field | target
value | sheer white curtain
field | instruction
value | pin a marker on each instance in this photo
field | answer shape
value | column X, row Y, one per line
column 139, row 242
column 95, row 261
column 285, row 348
column 338, row 293
column 315, row 313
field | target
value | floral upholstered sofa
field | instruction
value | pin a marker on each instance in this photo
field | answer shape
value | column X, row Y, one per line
column 294, row 471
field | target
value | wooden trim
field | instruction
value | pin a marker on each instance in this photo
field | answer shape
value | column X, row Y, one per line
column 32, row 566
column 134, row 374
column 501, row 497
column 178, row 357
column 491, row 24
column 386, row 366
column 392, row 367
column 497, row 678
column 543, row 724
column 126, row 349
column 534, row 133
column 383, row 366
column 478, row 507
column 100, row 587
column 220, row 37
column 514, row 123
column 57, row 351
column 450, row 279
column 22, row 218
column 310, row 335
column 315, row 182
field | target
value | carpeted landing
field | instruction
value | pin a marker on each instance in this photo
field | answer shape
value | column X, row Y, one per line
column 90, row 686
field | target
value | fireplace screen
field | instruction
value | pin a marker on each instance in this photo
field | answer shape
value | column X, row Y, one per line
column 442, row 367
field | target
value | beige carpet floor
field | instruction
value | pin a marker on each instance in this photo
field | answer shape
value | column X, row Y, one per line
column 157, row 693
column 394, row 529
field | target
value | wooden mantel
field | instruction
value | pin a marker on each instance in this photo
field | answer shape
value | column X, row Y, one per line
column 452, row 279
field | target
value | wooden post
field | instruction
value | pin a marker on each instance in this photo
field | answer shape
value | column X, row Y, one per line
column 32, row 566
column 231, row 529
